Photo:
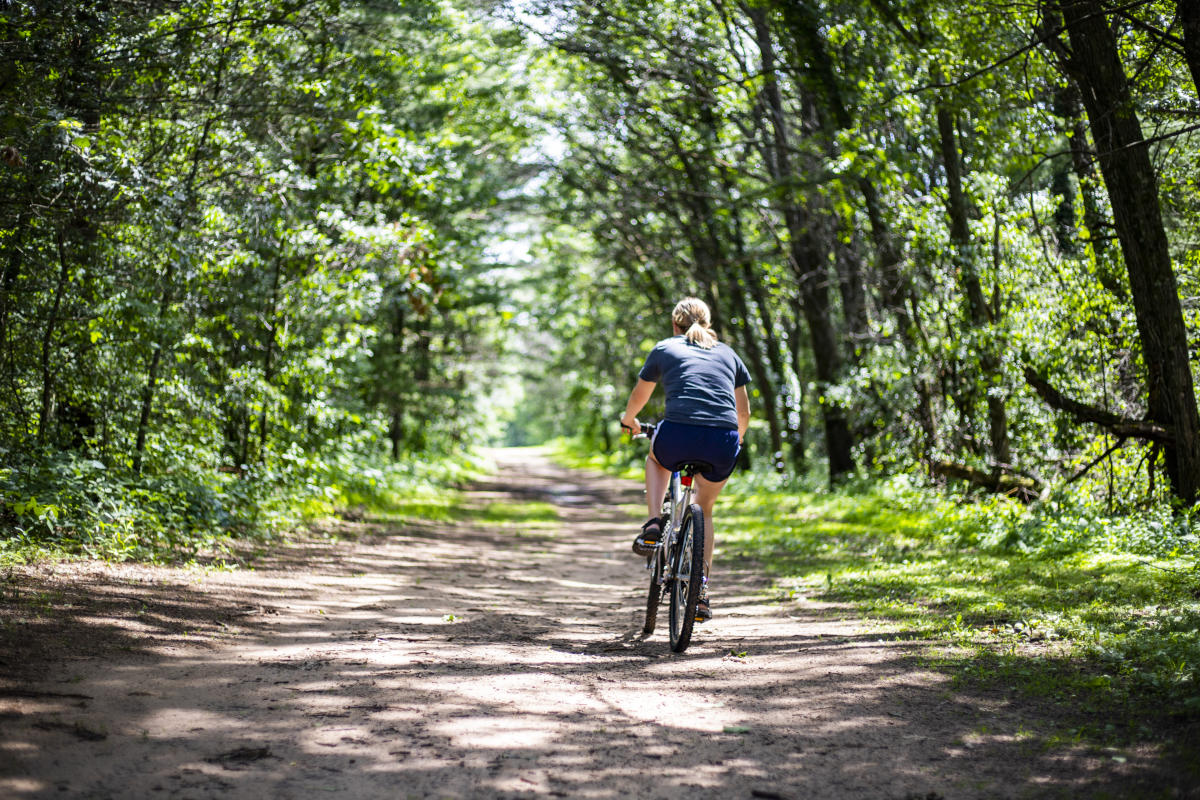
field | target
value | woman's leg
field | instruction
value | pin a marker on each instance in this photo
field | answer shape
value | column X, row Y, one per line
column 706, row 496
column 657, row 479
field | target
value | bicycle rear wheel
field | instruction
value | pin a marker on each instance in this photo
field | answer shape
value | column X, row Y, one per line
column 688, row 578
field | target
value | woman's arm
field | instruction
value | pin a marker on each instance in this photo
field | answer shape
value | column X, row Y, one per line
column 637, row 401
column 743, row 411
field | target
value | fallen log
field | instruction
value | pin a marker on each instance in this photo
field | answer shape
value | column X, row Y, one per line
column 1022, row 487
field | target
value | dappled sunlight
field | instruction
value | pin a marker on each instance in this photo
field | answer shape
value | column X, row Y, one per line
column 1106, row 637
column 462, row 663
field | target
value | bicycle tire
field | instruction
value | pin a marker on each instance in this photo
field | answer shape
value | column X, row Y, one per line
column 655, row 592
column 687, row 579
column 654, row 596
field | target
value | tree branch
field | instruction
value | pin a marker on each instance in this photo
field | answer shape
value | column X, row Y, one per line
column 1125, row 427
column 1095, row 461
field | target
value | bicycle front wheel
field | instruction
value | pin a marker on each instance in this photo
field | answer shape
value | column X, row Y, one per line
column 657, row 562
column 688, row 577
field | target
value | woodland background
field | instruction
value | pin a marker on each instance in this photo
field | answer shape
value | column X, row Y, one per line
column 259, row 260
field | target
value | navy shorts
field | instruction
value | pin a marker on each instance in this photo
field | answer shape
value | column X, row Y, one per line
column 676, row 444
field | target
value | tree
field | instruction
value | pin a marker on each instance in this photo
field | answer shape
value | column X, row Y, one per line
column 1092, row 59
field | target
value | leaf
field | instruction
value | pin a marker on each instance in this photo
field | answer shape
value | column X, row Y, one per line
column 735, row 729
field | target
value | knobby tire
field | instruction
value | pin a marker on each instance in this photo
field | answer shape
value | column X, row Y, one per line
column 655, row 593
column 688, row 578
column 657, row 565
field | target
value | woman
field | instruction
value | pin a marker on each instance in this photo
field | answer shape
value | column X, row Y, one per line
column 708, row 411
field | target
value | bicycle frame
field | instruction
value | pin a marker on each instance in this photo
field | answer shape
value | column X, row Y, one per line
column 678, row 498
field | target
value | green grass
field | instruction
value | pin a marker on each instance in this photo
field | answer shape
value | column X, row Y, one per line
column 627, row 461
column 451, row 505
column 514, row 513
column 76, row 513
column 1049, row 602
column 439, row 501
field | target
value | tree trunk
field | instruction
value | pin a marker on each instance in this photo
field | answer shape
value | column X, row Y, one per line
column 423, row 351
column 810, row 261
column 978, row 314
column 762, row 376
column 853, row 292
column 1094, row 62
column 1189, row 16
column 775, row 364
column 8, row 282
column 271, row 336
column 46, row 415
column 1066, row 106
column 794, row 404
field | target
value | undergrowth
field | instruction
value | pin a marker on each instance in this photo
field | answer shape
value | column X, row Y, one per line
column 75, row 508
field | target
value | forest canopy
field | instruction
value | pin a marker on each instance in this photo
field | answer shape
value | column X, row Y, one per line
column 261, row 254
column 950, row 237
column 244, row 251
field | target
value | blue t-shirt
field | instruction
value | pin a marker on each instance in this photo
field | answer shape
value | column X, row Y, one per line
column 699, row 383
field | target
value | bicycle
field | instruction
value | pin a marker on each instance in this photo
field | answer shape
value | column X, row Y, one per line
column 677, row 563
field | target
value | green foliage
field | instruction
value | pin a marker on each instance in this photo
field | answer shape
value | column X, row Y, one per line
column 243, row 249
column 1058, row 600
column 75, row 508
column 674, row 128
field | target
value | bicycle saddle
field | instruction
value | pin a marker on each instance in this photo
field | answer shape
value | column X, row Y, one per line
column 694, row 467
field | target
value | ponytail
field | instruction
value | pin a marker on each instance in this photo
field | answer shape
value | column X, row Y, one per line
column 701, row 336
column 692, row 316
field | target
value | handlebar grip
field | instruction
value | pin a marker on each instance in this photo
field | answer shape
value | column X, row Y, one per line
column 647, row 430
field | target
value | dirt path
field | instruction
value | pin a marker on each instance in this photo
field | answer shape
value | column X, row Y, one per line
column 457, row 661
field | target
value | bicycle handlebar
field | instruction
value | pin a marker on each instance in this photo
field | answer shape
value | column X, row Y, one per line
column 647, row 431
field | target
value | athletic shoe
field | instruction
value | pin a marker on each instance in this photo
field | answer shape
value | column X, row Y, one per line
column 648, row 539
column 703, row 611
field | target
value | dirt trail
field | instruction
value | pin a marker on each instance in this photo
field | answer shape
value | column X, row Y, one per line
column 455, row 661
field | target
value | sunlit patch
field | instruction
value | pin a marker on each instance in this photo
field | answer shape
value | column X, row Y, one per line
column 173, row 720
column 497, row 733
column 11, row 787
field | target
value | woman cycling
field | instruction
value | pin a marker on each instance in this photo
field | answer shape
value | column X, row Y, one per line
column 707, row 413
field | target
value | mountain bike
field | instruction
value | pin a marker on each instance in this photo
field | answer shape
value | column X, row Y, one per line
column 677, row 564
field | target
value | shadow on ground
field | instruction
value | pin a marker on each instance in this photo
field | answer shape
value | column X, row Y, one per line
column 465, row 660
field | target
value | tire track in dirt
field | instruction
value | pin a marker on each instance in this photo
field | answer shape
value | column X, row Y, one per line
column 462, row 660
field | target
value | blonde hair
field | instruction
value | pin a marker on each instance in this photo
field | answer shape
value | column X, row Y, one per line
column 691, row 315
